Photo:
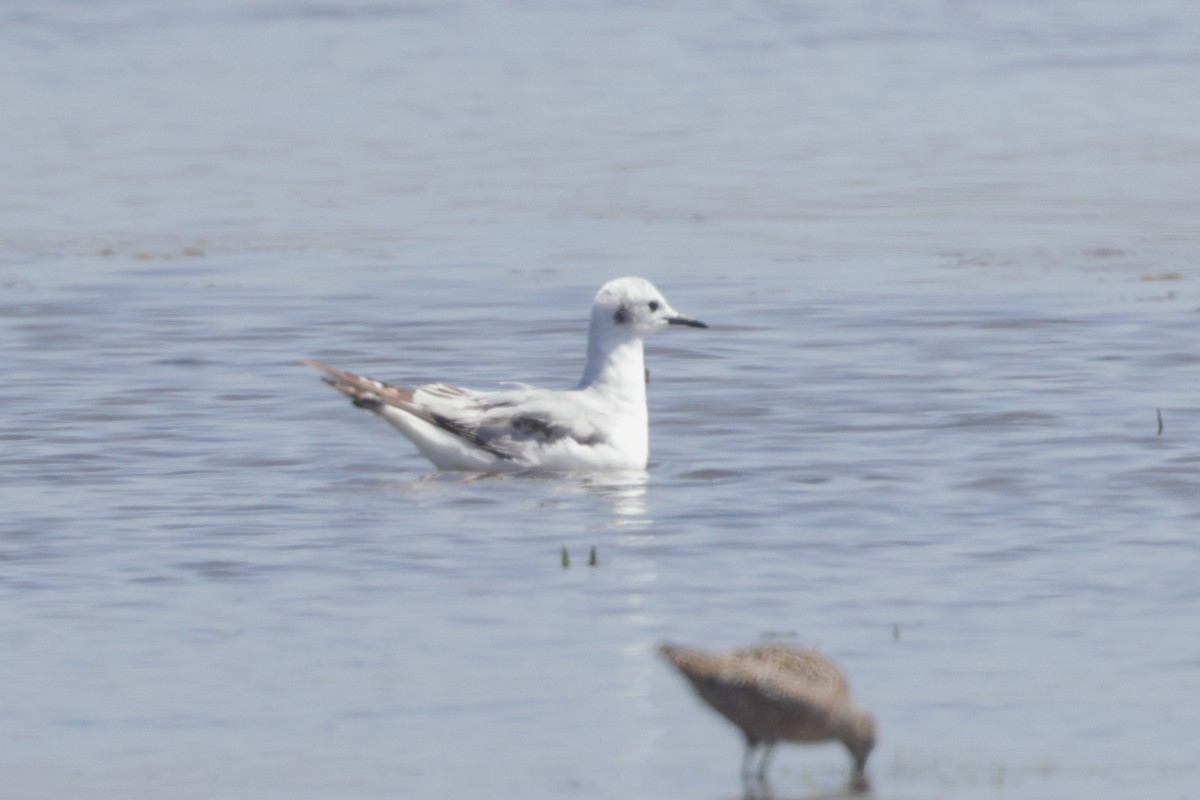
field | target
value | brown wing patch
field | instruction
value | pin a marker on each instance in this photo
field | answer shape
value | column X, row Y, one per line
column 362, row 389
column 444, row 390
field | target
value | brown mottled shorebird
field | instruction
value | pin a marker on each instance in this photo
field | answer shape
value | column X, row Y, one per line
column 776, row 692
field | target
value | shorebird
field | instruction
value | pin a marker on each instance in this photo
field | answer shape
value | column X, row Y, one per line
column 776, row 692
column 601, row 424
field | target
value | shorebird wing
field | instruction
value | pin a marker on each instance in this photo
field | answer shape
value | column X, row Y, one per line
column 791, row 673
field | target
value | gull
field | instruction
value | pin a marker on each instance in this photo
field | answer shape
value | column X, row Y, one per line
column 601, row 424
column 776, row 692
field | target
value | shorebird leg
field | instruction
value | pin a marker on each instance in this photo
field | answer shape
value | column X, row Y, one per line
column 858, row 783
column 766, row 758
column 748, row 757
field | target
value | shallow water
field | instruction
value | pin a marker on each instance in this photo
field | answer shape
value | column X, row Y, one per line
column 949, row 257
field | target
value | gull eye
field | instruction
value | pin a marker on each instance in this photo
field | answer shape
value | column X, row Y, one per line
column 653, row 305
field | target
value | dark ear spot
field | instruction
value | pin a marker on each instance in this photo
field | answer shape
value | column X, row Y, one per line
column 622, row 315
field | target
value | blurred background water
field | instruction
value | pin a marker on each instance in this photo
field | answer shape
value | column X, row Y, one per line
column 949, row 253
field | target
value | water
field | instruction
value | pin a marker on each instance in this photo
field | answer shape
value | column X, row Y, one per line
column 949, row 254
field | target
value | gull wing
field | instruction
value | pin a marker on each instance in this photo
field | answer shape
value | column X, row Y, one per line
column 505, row 423
column 515, row 423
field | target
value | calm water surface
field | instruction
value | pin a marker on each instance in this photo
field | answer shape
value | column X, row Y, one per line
column 949, row 256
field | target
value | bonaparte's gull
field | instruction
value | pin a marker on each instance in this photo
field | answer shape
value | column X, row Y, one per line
column 776, row 692
column 600, row 424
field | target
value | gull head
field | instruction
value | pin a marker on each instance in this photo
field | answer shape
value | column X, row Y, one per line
column 633, row 308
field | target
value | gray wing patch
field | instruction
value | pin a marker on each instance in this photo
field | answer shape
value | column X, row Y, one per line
column 544, row 431
column 462, row 431
column 508, row 423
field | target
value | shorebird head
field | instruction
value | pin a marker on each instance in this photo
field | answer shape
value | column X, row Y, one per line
column 856, row 729
column 632, row 307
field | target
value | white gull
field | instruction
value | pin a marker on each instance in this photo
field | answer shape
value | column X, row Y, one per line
column 601, row 424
